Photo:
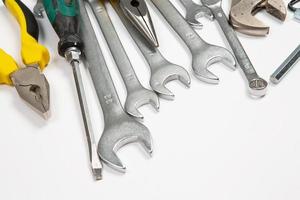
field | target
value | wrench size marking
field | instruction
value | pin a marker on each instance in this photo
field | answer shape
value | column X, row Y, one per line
column 108, row 99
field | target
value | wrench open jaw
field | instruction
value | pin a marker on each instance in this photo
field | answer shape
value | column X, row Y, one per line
column 166, row 73
column 119, row 133
column 162, row 71
column 242, row 15
column 203, row 53
column 120, row 128
column 257, row 86
column 138, row 98
column 194, row 12
column 207, row 56
column 137, row 95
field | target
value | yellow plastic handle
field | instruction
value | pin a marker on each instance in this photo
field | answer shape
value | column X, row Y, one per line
column 32, row 52
column 7, row 66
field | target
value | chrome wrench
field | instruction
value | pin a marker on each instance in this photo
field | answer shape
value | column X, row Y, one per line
column 195, row 11
column 120, row 129
column 257, row 85
column 203, row 54
column 137, row 95
column 162, row 71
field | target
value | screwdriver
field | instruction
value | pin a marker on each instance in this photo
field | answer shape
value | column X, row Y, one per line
column 64, row 17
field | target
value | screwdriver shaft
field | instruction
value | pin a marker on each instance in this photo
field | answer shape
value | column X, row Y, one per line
column 94, row 158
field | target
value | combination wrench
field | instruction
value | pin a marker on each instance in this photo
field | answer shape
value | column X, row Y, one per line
column 120, row 129
column 137, row 95
column 257, row 85
column 162, row 71
column 195, row 11
column 203, row 54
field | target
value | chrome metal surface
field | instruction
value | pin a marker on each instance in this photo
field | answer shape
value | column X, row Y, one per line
column 120, row 129
column 162, row 71
column 286, row 66
column 72, row 55
column 195, row 11
column 137, row 12
column 203, row 54
column 256, row 85
column 137, row 95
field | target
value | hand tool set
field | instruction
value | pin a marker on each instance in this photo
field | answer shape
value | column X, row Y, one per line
column 70, row 20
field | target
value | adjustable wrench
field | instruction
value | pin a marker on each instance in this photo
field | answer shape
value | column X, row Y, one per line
column 194, row 11
column 242, row 15
column 162, row 71
column 120, row 129
column 257, row 85
column 203, row 54
column 137, row 95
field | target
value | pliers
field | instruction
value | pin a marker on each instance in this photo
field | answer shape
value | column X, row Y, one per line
column 30, row 83
column 138, row 14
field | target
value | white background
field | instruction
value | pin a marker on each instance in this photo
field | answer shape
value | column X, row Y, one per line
column 212, row 142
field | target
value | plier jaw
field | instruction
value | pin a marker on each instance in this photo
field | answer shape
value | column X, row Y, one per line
column 137, row 12
column 33, row 87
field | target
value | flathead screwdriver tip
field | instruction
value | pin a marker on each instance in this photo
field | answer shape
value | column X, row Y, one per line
column 97, row 173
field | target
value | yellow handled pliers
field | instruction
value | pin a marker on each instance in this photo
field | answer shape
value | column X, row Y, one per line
column 30, row 83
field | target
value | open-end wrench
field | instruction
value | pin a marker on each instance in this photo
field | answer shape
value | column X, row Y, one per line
column 120, row 129
column 257, row 85
column 203, row 54
column 137, row 95
column 162, row 71
column 195, row 11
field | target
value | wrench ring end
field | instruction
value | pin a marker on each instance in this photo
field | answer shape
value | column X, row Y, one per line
column 258, row 87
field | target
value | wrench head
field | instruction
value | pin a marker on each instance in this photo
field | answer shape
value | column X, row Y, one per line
column 258, row 87
column 208, row 55
column 167, row 72
column 242, row 15
column 212, row 3
column 195, row 12
column 138, row 98
column 118, row 133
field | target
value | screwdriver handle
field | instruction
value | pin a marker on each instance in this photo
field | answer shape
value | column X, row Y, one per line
column 63, row 15
column 7, row 67
column 32, row 52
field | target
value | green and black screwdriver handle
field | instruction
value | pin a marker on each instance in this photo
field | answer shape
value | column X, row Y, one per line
column 63, row 15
